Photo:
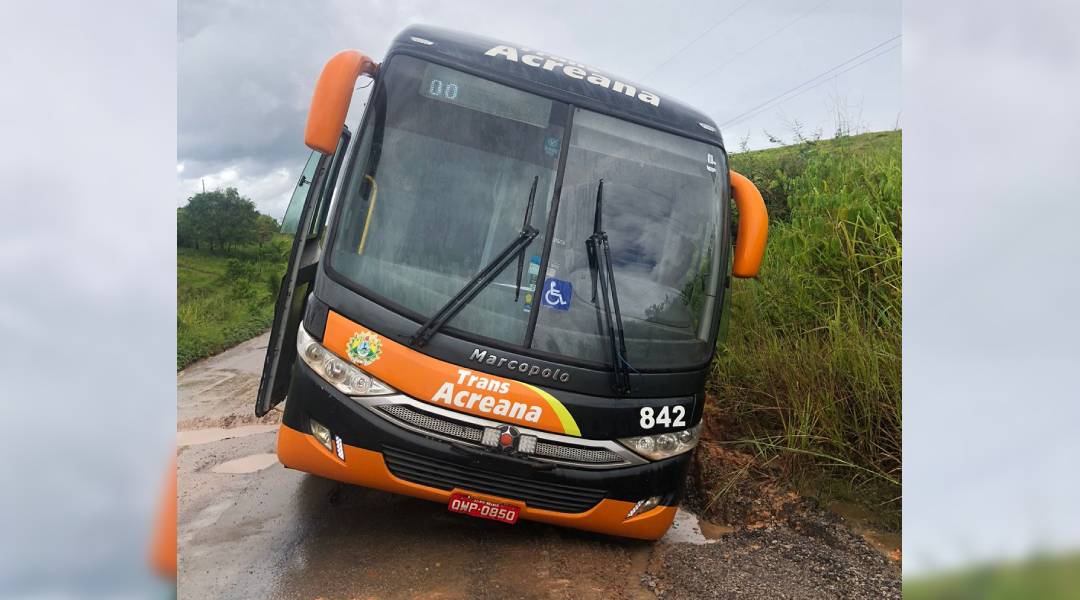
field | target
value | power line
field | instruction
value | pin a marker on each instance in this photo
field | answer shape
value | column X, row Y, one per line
column 761, row 107
column 693, row 41
column 814, row 78
column 764, row 39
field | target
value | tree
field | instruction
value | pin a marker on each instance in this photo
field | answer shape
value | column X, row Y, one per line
column 266, row 227
column 222, row 218
column 186, row 233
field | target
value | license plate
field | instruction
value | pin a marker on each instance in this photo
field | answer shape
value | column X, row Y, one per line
column 475, row 507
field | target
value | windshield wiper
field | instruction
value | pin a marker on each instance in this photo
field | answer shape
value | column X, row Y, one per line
column 599, row 251
column 484, row 277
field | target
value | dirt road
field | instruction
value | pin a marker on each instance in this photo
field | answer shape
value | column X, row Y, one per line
column 249, row 528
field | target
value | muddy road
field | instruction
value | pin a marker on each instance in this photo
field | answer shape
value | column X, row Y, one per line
column 249, row 528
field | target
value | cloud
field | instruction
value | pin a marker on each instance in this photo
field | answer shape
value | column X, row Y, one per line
column 246, row 70
column 87, row 307
column 273, row 188
column 989, row 297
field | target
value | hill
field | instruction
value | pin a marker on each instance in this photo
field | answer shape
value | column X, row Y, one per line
column 807, row 379
column 224, row 299
column 1047, row 577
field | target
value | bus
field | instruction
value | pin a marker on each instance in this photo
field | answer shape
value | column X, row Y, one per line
column 508, row 297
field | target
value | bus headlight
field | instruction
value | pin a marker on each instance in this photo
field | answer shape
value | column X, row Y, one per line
column 664, row 445
column 346, row 378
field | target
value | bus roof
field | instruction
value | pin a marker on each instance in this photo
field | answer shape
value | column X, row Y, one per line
column 556, row 77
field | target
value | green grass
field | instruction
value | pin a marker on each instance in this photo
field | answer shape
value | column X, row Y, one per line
column 810, row 369
column 223, row 300
column 1050, row 578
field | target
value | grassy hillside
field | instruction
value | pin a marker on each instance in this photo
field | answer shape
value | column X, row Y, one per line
column 1049, row 578
column 808, row 376
column 224, row 299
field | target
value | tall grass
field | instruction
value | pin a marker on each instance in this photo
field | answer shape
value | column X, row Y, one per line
column 1047, row 577
column 810, row 369
column 223, row 300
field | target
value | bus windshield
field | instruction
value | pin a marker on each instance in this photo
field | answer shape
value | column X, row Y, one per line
column 662, row 210
column 440, row 185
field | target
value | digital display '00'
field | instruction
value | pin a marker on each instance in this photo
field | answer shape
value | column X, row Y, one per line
column 447, row 90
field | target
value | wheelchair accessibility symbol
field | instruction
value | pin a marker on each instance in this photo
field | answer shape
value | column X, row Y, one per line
column 557, row 294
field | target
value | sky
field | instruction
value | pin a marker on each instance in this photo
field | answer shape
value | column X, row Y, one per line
column 990, row 282
column 87, row 294
column 246, row 70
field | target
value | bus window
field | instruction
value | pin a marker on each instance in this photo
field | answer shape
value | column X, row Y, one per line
column 662, row 211
column 450, row 161
column 291, row 219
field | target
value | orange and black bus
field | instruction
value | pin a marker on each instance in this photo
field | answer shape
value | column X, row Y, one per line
column 509, row 300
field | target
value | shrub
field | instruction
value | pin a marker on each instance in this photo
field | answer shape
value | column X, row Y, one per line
column 811, row 364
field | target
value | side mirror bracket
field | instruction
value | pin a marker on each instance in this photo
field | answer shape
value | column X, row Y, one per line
column 753, row 227
column 333, row 94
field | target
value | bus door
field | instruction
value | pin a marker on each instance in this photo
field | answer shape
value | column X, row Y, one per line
column 305, row 218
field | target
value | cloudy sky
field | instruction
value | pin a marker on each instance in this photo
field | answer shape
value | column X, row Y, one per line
column 246, row 70
column 990, row 282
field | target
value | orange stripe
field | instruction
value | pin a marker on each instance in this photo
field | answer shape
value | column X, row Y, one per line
column 448, row 385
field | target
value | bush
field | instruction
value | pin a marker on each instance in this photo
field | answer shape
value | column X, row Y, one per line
column 811, row 365
column 273, row 283
column 223, row 301
column 237, row 270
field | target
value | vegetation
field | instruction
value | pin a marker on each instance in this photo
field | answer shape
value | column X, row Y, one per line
column 229, row 264
column 808, row 375
column 222, row 220
column 1048, row 577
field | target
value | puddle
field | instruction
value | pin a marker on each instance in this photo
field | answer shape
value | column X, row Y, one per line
column 713, row 531
column 687, row 528
column 858, row 518
column 194, row 437
column 247, row 464
column 206, row 518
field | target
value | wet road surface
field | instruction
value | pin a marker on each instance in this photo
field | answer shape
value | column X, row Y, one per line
column 249, row 528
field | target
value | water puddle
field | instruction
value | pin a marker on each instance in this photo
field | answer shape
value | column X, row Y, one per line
column 687, row 528
column 195, row 437
column 247, row 464
column 206, row 518
column 858, row 517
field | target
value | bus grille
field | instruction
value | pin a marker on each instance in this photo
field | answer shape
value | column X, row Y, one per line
column 429, row 422
column 577, row 453
column 472, row 433
column 444, row 475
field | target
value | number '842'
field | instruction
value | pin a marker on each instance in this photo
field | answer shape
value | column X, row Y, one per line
column 667, row 416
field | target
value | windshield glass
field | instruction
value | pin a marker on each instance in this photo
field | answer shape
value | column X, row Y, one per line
column 662, row 210
column 443, row 173
column 445, row 168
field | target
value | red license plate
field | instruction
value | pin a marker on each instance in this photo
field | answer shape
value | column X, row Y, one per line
column 475, row 507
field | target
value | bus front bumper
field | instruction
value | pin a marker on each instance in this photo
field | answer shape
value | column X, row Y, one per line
column 380, row 455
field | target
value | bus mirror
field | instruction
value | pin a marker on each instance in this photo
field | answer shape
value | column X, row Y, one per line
column 753, row 226
column 332, row 96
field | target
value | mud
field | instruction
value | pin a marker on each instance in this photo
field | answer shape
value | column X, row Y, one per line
column 194, row 437
column 247, row 464
column 263, row 531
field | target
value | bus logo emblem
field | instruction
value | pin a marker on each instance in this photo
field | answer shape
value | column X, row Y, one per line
column 364, row 348
column 507, row 437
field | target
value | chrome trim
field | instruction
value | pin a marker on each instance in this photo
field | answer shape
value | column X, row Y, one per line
column 629, row 457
